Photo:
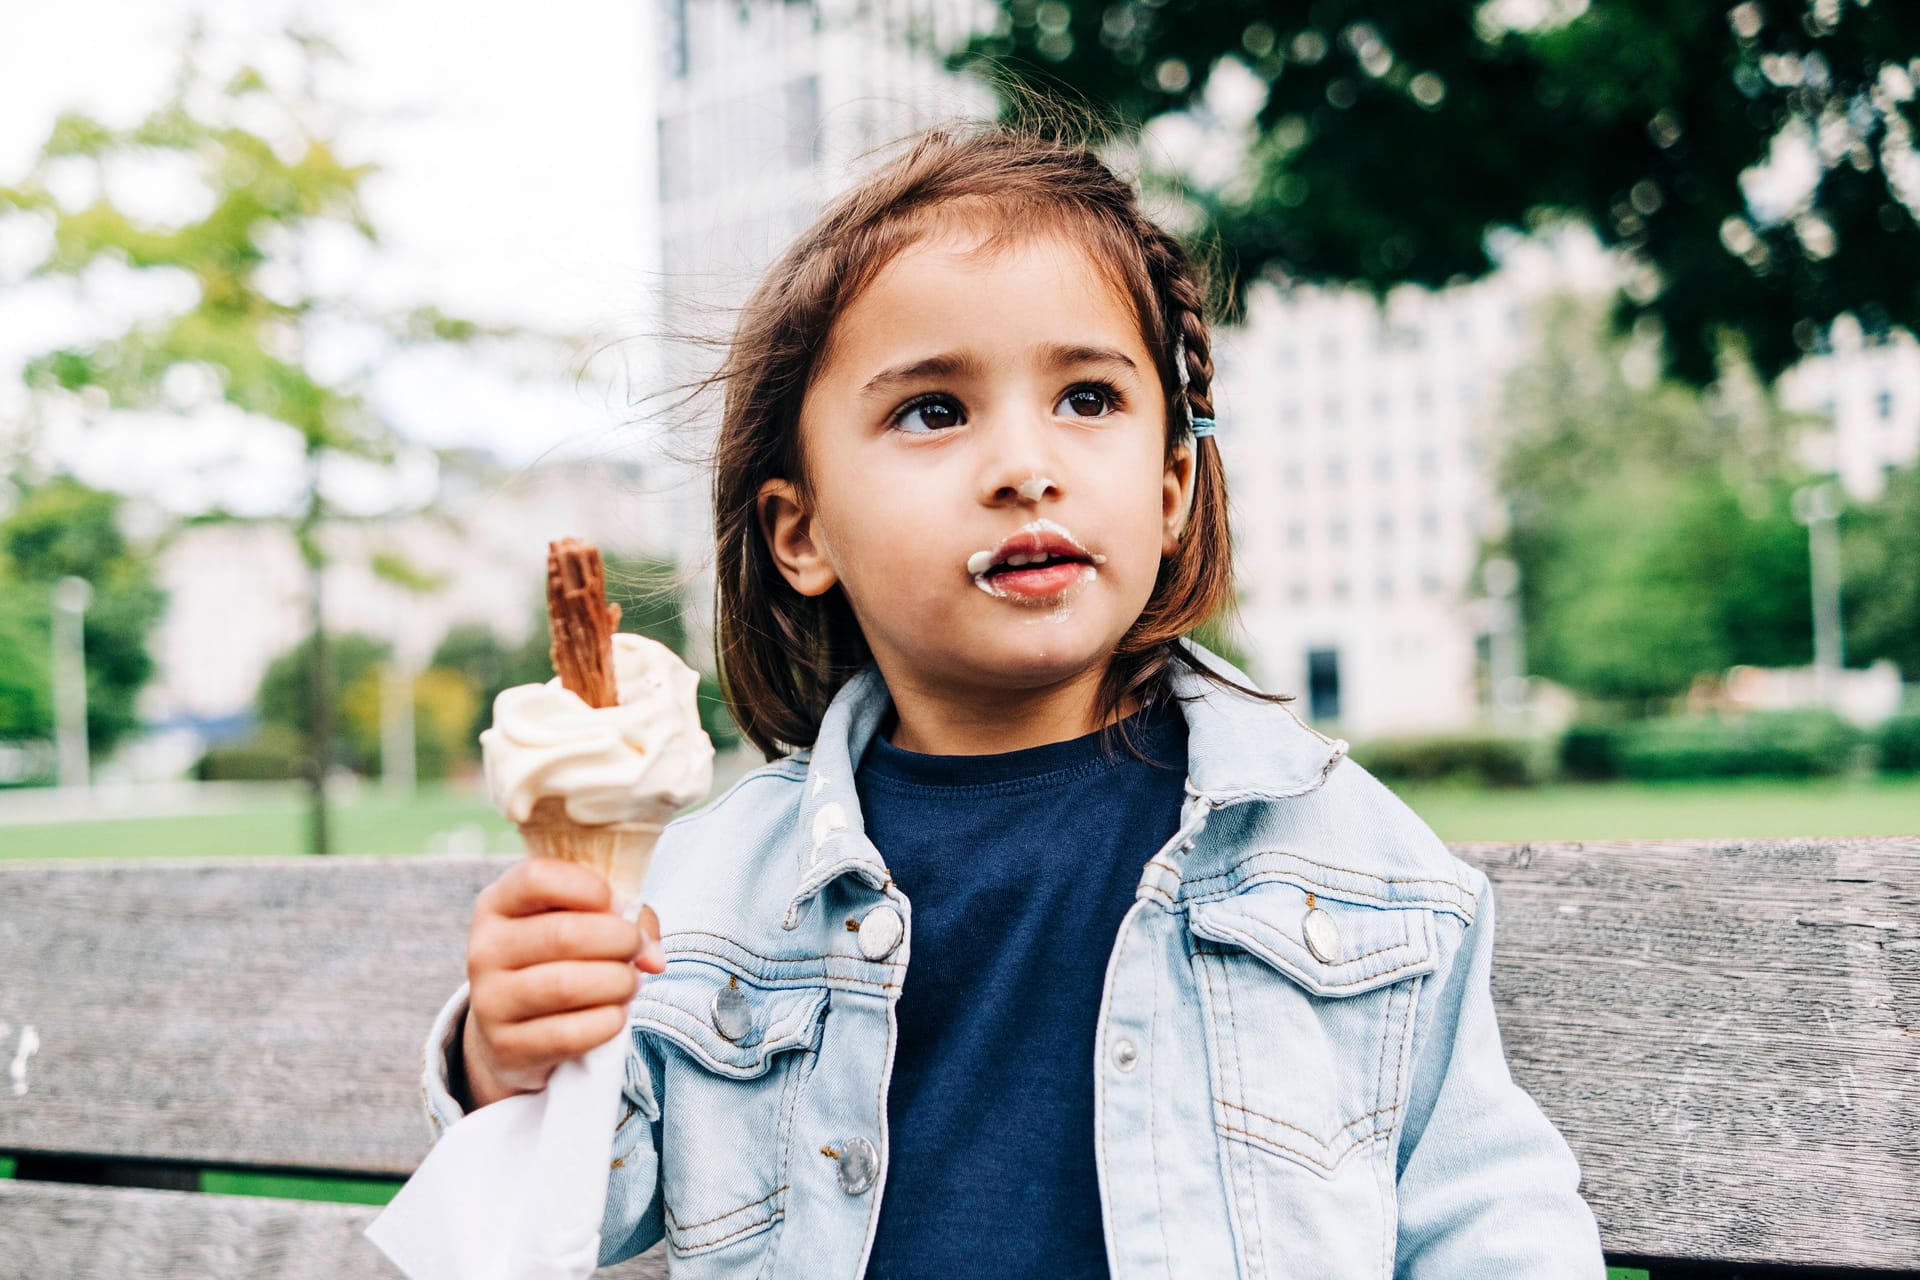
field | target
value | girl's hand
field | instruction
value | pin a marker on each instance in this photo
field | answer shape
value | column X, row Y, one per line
column 551, row 969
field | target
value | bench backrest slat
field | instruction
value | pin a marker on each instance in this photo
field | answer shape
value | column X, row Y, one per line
column 91, row 1233
column 1728, row 1034
column 1725, row 1032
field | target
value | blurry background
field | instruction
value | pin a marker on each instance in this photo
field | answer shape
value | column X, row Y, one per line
column 1568, row 388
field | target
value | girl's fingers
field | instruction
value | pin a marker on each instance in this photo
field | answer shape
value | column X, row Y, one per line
column 533, row 885
column 543, row 1042
column 652, row 957
column 525, row 996
column 557, row 935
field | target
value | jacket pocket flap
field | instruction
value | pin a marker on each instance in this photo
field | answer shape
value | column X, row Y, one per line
column 1331, row 947
column 736, row 1034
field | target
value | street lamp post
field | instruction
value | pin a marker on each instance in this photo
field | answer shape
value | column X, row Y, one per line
column 70, row 599
column 1506, row 650
column 1817, row 506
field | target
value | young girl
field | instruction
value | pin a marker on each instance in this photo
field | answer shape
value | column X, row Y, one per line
column 1043, row 947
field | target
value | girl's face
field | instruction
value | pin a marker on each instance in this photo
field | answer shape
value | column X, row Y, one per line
column 986, row 451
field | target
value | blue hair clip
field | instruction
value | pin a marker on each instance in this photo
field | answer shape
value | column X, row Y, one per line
column 1202, row 427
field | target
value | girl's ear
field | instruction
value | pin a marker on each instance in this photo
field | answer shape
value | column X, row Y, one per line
column 1176, row 498
column 788, row 527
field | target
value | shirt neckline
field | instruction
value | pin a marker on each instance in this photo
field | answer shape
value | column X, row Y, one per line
column 1153, row 730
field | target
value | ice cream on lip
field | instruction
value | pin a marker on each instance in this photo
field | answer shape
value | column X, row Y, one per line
column 639, row 761
column 1035, row 542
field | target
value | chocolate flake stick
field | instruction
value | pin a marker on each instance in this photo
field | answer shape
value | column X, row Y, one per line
column 581, row 621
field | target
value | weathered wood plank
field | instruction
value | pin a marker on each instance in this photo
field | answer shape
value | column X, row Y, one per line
column 259, row 1013
column 89, row 1233
column 1728, row 1034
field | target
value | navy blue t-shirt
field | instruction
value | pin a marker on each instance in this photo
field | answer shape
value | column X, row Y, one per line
column 1019, row 868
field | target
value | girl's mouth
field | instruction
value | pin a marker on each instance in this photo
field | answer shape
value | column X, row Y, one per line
column 1036, row 565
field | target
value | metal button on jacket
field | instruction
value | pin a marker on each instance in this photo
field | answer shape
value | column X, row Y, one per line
column 1323, row 936
column 732, row 1014
column 1125, row 1054
column 857, row 1165
column 880, row 932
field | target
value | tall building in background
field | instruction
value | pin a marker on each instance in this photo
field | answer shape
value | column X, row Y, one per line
column 1867, row 386
column 767, row 108
column 1360, row 440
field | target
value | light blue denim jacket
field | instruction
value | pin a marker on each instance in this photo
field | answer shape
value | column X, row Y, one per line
column 1297, row 1068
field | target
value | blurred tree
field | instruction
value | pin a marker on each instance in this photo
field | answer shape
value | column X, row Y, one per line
column 444, row 705
column 266, row 188
column 1881, row 558
column 62, row 529
column 284, row 700
column 1649, row 520
column 652, row 600
column 1387, row 137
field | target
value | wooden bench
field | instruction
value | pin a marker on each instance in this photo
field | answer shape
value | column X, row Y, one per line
column 1727, row 1033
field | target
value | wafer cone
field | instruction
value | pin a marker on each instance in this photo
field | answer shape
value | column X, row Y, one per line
column 618, row 851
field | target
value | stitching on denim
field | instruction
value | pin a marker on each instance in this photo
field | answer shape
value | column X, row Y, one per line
column 1354, row 982
column 1379, row 1083
column 1258, row 1258
column 824, row 957
column 1327, row 1141
column 686, row 1227
column 1390, row 1237
column 717, row 1241
column 1235, row 1209
column 1153, row 1148
column 1252, row 1139
column 1399, row 945
column 796, row 1080
column 826, row 973
column 1471, row 907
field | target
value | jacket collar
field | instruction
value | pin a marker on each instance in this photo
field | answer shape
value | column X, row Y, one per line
column 1238, row 748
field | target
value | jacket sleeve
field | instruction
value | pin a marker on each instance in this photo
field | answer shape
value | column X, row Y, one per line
column 633, row 1221
column 1487, row 1186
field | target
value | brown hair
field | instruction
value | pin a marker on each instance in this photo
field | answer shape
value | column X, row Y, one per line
column 782, row 655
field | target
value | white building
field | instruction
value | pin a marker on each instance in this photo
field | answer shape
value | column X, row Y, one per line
column 1359, row 440
column 1868, row 387
column 237, row 594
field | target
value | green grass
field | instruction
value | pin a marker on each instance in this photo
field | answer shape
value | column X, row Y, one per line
column 341, row 1190
column 438, row 819
column 1738, row 808
column 368, row 823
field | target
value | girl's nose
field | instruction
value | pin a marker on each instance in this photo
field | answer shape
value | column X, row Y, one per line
column 1019, row 469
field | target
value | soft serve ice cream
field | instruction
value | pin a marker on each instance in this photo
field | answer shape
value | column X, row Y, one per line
column 638, row 761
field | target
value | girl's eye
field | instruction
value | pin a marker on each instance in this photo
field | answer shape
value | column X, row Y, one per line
column 1092, row 401
column 930, row 413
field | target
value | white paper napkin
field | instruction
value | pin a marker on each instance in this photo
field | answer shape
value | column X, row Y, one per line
column 516, row 1190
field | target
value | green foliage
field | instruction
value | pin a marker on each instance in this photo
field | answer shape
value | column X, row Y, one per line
column 270, row 183
column 283, row 699
column 64, row 529
column 1897, row 744
column 273, row 754
column 1391, row 137
column 1650, row 521
column 1771, row 744
column 444, row 710
column 1467, row 759
column 1881, row 562
column 652, row 598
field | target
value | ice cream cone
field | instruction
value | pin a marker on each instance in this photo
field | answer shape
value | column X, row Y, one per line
column 618, row 851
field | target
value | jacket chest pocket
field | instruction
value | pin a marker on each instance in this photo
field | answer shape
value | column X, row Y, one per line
column 734, row 1057
column 1309, row 1007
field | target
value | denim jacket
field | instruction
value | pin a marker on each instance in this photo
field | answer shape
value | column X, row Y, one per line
column 1297, row 1068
